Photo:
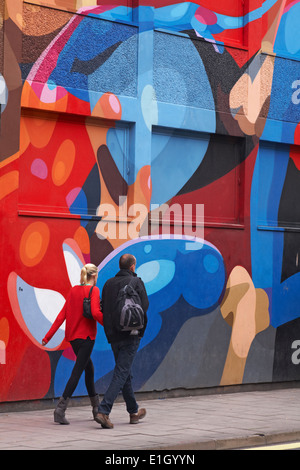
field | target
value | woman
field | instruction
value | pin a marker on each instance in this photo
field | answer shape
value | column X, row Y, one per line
column 81, row 333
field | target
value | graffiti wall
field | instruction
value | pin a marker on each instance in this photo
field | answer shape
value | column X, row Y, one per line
column 169, row 130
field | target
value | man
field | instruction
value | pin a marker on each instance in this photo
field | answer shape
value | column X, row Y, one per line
column 124, row 344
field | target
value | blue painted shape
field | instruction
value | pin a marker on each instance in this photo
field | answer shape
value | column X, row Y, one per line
column 170, row 269
column 80, row 205
column 286, row 300
column 118, row 13
column 267, row 245
column 282, row 107
column 88, row 198
column 156, row 274
column 181, row 282
column 177, row 156
column 211, row 263
column 118, row 74
column 267, row 183
column 79, row 63
column 174, row 79
column 116, row 141
column 287, row 37
column 176, row 17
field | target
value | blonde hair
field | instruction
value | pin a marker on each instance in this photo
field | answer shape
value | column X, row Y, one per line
column 87, row 272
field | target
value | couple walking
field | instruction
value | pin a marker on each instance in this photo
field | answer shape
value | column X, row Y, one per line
column 81, row 333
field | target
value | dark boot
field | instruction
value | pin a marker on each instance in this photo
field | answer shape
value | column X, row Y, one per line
column 95, row 405
column 59, row 412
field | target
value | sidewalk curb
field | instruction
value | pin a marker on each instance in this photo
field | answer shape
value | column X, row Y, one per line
column 237, row 443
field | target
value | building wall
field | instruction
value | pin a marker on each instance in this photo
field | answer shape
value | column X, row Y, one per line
column 169, row 130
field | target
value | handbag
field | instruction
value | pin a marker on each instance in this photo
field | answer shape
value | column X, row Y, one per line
column 87, row 312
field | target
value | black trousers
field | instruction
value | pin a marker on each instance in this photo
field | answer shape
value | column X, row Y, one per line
column 83, row 349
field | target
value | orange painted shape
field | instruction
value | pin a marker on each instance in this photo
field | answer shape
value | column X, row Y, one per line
column 4, row 330
column 82, row 239
column 108, row 107
column 39, row 131
column 34, row 243
column 31, row 100
column 63, row 162
column 9, row 183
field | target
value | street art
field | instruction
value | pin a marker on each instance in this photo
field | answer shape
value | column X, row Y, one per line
column 105, row 132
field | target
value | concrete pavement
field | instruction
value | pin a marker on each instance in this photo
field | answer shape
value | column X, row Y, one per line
column 206, row 422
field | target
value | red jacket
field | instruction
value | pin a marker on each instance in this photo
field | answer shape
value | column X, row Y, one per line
column 77, row 326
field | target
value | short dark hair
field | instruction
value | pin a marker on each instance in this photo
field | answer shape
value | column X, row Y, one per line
column 126, row 261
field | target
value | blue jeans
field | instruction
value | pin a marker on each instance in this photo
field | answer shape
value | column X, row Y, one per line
column 124, row 353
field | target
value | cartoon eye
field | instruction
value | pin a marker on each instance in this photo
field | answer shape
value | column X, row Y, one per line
column 35, row 309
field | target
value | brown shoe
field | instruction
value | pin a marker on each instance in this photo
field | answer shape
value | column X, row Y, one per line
column 134, row 418
column 104, row 421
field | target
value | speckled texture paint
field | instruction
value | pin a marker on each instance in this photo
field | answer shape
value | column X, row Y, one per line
column 174, row 78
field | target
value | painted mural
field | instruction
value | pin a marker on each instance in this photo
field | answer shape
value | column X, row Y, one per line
column 166, row 129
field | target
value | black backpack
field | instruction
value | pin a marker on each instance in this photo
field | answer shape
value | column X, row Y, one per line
column 129, row 313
